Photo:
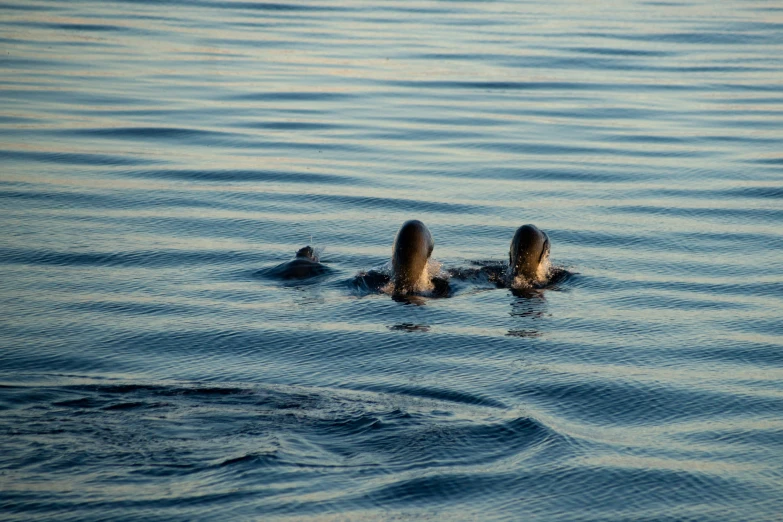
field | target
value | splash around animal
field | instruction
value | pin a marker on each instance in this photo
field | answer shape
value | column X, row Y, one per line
column 411, row 270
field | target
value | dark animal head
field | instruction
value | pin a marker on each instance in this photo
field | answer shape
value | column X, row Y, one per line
column 307, row 253
column 412, row 248
column 529, row 248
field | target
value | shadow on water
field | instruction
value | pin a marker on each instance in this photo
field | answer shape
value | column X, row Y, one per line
column 409, row 299
column 528, row 308
column 409, row 327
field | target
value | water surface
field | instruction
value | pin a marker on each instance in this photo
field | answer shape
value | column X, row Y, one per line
column 157, row 158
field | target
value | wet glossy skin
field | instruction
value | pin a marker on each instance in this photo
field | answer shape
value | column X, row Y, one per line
column 529, row 248
column 307, row 252
column 412, row 248
column 304, row 266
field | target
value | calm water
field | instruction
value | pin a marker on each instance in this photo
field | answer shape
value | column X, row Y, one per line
column 158, row 158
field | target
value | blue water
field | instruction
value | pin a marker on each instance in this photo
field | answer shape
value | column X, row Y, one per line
column 159, row 157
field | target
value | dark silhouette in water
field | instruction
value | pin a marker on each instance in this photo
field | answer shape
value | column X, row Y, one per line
column 525, row 274
column 305, row 265
column 411, row 250
column 528, row 254
column 527, row 269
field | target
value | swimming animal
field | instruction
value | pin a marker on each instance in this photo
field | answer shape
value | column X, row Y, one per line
column 304, row 265
column 412, row 248
column 529, row 250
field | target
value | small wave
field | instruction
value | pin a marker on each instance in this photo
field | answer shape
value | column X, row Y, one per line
column 246, row 176
column 295, row 96
column 150, row 133
column 440, row 394
column 87, row 27
column 84, row 402
column 74, row 158
column 409, row 327
column 250, row 458
column 150, row 258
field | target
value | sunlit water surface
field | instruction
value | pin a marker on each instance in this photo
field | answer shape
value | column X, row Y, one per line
column 159, row 157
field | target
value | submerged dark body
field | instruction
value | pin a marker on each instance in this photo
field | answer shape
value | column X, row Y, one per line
column 304, row 266
column 410, row 252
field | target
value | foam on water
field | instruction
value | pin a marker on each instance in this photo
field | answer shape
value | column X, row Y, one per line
column 543, row 274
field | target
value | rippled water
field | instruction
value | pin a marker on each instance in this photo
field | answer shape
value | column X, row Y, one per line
column 159, row 157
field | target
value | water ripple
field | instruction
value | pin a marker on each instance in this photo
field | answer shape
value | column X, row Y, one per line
column 159, row 159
